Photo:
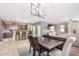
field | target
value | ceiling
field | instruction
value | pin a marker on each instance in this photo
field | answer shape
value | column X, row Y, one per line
column 56, row 12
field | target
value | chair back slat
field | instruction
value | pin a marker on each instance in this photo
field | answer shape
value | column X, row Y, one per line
column 31, row 41
column 36, row 42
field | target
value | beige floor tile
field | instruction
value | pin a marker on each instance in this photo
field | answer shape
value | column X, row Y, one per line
column 4, row 52
column 13, row 52
column 10, row 47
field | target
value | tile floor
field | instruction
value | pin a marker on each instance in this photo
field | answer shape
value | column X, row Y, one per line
column 10, row 47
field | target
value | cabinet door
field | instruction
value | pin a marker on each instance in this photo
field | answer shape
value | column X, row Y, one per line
column 1, row 34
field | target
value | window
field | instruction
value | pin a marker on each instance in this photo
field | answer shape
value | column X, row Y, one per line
column 62, row 28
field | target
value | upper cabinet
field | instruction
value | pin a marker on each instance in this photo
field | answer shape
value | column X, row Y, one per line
column 14, row 25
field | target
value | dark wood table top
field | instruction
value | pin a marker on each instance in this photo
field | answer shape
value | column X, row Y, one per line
column 49, row 43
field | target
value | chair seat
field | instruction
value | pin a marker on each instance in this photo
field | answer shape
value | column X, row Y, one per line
column 42, row 50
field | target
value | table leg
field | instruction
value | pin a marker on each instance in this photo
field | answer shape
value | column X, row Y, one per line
column 39, row 54
column 47, row 53
column 34, row 52
column 30, row 49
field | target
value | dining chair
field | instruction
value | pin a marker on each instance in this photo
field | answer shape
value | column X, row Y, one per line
column 34, row 43
column 30, row 39
column 66, row 48
column 38, row 47
column 17, row 35
column 31, row 43
column 23, row 35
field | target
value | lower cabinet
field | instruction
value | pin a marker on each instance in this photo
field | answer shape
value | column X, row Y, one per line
column 7, row 35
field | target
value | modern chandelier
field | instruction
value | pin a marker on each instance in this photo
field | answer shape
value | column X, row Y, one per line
column 36, row 10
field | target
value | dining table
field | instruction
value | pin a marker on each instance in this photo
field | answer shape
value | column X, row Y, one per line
column 49, row 44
